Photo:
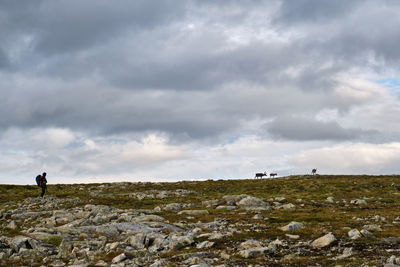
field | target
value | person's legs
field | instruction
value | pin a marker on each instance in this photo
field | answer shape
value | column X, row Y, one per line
column 43, row 190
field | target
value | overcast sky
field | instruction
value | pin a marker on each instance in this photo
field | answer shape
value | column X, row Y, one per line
column 159, row 90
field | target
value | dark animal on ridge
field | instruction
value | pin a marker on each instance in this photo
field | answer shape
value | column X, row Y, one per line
column 314, row 171
column 273, row 174
column 260, row 174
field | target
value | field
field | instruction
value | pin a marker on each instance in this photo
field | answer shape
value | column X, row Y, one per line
column 322, row 203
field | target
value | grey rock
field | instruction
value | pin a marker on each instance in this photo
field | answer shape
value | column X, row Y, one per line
column 372, row 227
column 20, row 242
column 12, row 225
column 347, row 252
column 231, row 200
column 391, row 240
column 119, row 258
column 148, row 218
column 205, row 245
column 178, row 242
column 285, row 206
column 293, row 226
column 358, row 202
column 159, row 263
column 366, row 233
column 226, row 207
column 252, row 202
column 292, row 236
column 193, row 212
column 330, row 200
column 57, row 263
column 255, row 252
column 323, row 241
column 354, row 234
column 250, row 244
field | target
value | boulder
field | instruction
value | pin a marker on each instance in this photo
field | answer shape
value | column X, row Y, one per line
column 252, row 202
column 323, row 241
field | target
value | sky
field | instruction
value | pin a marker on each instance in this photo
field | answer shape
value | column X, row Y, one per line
column 162, row 90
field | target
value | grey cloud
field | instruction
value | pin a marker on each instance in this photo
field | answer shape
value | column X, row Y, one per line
column 305, row 129
column 68, row 26
column 311, row 11
column 4, row 62
column 164, row 70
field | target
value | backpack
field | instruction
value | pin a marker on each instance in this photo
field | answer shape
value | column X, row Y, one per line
column 38, row 178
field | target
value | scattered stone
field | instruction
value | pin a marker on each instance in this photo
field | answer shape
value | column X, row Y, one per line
column 254, row 252
column 159, row 263
column 250, row 244
column 391, row 240
column 347, row 252
column 330, row 200
column 221, row 207
column 288, row 206
column 258, row 217
column 366, row 233
column 323, row 241
column 148, row 218
column 252, row 202
column 194, row 212
column 373, row 228
column 119, row 258
column 379, row 218
column 231, row 200
column 205, row 245
column 12, row 225
column 358, row 202
column 293, row 226
column 354, row 234
column 292, row 236
column 280, row 199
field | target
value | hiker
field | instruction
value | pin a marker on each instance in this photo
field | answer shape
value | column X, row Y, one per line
column 41, row 180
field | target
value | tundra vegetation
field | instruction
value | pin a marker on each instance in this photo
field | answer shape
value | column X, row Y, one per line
column 322, row 220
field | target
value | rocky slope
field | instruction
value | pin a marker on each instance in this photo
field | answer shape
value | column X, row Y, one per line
column 204, row 224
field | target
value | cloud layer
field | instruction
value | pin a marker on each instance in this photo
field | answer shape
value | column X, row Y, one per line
column 156, row 89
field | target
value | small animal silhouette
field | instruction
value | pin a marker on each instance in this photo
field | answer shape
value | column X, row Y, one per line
column 273, row 174
column 260, row 174
column 314, row 171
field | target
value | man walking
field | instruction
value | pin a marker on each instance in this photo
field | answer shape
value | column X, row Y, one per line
column 43, row 183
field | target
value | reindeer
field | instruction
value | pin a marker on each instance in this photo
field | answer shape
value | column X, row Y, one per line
column 314, row 171
column 260, row 174
column 272, row 175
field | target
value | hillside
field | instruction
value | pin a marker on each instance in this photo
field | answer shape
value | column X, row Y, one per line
column 307, row 220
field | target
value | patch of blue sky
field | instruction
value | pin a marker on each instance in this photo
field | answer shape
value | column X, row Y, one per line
column 392, row 84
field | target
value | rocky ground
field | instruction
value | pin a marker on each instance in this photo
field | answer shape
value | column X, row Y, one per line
column 292, row 221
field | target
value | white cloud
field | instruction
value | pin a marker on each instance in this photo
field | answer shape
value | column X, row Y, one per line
column 352, row 158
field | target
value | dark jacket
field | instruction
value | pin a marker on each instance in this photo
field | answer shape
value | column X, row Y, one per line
column 43, row 181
